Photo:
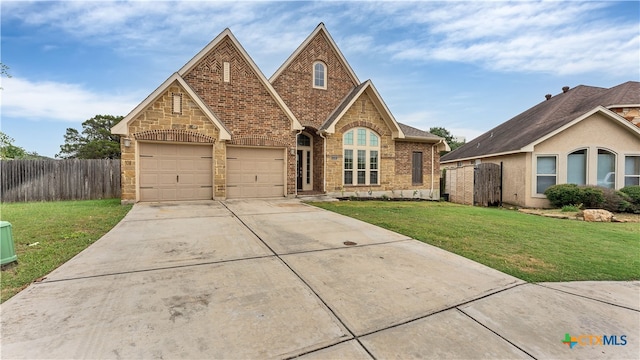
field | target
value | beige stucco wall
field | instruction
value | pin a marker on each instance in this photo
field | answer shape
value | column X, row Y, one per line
column 595, row 132
column 515, row 181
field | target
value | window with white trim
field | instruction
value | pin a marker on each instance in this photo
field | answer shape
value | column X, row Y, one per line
column 546, row 172
column 606, row 168
column 361, row 157
column 631, row 170
column 319, row 75
column 577, row 167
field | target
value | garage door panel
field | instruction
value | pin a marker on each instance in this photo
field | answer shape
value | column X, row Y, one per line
column 175, row 172
column 255, row 172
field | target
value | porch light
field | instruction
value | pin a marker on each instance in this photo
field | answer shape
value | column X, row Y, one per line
column 127, row 142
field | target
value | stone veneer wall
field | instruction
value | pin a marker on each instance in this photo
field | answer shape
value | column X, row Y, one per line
column 632, row 114
column 395, row 157
column 159, row 116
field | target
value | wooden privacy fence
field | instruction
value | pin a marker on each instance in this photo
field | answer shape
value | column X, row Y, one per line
column 487, row 184
column 51, row 180
column 474, row 184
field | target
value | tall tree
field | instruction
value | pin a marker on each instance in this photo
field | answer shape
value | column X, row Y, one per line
column 95, row 141
column 10, row 151
column 442, row 132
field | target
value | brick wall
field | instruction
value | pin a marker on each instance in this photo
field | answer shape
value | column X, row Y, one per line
column 159, row 116
column 243, row 104
column 312, row 106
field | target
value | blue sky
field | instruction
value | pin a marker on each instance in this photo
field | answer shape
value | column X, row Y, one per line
column 466, row 66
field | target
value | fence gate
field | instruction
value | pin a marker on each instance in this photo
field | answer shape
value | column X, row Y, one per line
column 487, row 184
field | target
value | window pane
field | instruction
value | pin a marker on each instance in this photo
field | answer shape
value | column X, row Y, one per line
column 348, row 177
column 373, row 160
column 543, row 182
column 348, row 138
column 362, row 178
column 629, row 181
column 318, row 79
column 606, row 168
column 416, row 168
column 304, row 140
column 546, row 165
column 632, row 170
column 632, row 165
column 577, row 167
column 308, row 167
column 362, row 137
column 373, row 178
column 348, row 159
column 373, row 139
column 362, row 159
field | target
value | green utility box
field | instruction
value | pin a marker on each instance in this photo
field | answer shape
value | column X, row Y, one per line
column 7, row 250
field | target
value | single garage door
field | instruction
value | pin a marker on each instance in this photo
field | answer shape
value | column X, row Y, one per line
column 175, row 172
column 255, row 172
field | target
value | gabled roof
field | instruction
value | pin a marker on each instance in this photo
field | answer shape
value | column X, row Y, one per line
column 295, row 124
column 548, row 118
column 330, row 123
column 122, row 128
column 319, row 29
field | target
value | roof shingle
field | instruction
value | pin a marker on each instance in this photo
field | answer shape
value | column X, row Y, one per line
column 544, row 118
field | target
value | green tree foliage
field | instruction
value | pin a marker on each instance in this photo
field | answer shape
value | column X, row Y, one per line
column 95, row 141
column 10, row 151
column 442, row 132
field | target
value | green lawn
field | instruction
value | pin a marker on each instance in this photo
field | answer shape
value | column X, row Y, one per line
column 532, row 248
column 56, row 231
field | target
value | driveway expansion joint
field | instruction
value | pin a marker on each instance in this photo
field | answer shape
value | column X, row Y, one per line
column 586, row 297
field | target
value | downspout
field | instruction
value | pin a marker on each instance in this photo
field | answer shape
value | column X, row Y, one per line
column 324, row 163
column 433, row 164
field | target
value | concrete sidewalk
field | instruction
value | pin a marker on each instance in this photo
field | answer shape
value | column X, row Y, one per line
column 279, row 279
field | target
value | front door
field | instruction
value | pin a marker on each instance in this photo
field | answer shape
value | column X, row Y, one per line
column 304, row 163
column 299, row 176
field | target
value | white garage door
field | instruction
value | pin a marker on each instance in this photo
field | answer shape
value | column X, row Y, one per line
column 255, row 172
column 175, row 172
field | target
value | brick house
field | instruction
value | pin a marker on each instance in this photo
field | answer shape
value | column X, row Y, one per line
column 219, row 129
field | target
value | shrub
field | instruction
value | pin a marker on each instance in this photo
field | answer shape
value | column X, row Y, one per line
column 592, row 196
column 570, row 208
column 615, row 201
column 564, row 194
column 634, row 193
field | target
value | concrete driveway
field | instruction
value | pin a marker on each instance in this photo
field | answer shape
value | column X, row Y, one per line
column 280, row 279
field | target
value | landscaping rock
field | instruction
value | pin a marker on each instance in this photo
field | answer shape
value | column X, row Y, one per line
column 597, row 215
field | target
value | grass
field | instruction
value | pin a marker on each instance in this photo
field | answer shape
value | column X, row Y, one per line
column 47, row 234
column 532, row 248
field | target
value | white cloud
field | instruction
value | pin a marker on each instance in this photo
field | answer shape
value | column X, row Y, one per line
column 54, row 101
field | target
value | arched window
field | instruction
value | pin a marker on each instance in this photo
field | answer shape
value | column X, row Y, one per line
column 361, row 157
column 319, row 75
column 606, row 168
column 577, row 167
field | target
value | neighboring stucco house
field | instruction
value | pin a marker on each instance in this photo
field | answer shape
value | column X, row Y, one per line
column 586, row 136
column 219, row 129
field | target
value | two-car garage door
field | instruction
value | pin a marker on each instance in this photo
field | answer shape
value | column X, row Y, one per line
column 175, row 172
column 185, row 172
